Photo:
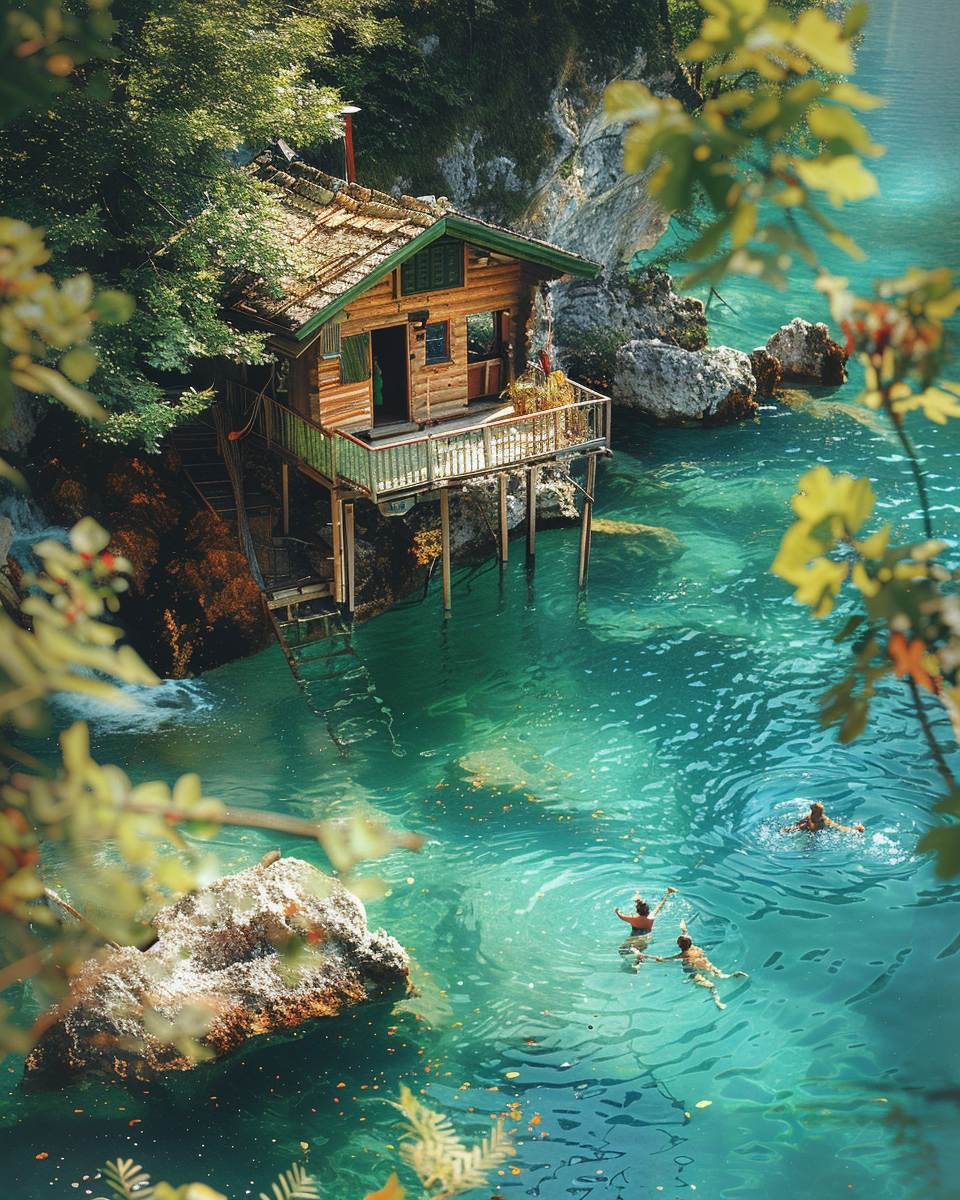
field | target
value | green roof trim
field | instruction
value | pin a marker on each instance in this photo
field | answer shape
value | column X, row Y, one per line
column 498, row 240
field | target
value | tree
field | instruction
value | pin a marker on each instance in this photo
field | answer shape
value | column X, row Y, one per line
column 738, row 152
column 135, row 170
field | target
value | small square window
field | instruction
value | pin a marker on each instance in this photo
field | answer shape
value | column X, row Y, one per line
column 438, row 342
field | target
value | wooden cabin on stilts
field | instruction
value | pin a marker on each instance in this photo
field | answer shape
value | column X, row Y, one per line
column 396, row 331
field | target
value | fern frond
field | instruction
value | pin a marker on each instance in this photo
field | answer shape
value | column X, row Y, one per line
column 470, row 1168
column 128, row 1180
column 439, row 1158
column 294, row 1184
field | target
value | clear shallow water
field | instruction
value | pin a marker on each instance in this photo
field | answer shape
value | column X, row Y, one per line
column 558, row 755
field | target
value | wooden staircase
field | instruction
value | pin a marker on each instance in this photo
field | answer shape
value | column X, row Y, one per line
column 314, row 638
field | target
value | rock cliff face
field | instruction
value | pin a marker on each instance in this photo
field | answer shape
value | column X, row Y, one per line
column 582, row 323
column 260, row 951
column 192, row 604
column 582, row 199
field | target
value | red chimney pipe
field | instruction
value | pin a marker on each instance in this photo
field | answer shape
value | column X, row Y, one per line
column 347, row 113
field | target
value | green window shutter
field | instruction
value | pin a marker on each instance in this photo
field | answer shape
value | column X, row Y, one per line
column 439, row 266
column 355, row 358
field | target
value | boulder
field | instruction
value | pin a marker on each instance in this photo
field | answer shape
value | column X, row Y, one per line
column 260, row 951
column 582, row 323
column 807, row 351
column 766, row 371
column 674, row 386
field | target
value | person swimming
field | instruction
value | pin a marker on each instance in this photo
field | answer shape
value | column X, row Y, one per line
column 816, row 820
column 697, row 966
column 642, row 922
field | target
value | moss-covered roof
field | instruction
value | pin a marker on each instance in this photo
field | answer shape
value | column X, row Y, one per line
column 342, row 238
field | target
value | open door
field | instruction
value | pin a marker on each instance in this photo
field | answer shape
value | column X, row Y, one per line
column 391, row 378
column 487, row 335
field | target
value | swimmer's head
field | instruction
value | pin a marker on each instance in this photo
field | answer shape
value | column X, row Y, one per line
column 643, row 908
column 817, row 807
column 684, row 942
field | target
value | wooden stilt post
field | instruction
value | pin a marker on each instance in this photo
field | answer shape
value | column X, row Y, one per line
column 336, row 521
column 285, row 486
column 532, row 473
column 504, row 532
column 445, row 545
column 586, row 522
column 349, row 555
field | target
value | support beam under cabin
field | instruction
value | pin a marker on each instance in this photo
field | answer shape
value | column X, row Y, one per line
column 285, row 486
column 445, row 546
column 504, row 531
column 350, row 556
column 532, row 474
column 336, row 523
column 586, row 522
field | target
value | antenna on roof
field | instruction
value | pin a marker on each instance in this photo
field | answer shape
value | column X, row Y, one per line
column 347, row 113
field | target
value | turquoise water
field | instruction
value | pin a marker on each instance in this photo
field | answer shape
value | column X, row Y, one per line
column 558, row 754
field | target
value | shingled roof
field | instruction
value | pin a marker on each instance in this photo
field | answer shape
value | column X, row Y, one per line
column 342, row 238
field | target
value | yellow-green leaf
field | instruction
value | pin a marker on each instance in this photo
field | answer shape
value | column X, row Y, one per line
column 843, row 177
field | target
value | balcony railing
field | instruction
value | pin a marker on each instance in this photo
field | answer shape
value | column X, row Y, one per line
column 389, row 469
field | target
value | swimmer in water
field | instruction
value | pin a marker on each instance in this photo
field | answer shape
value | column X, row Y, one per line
column 816, row 819
column 642, row 922
column 697, row 966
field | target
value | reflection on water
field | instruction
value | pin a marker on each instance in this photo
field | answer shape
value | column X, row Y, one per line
column 559, row 755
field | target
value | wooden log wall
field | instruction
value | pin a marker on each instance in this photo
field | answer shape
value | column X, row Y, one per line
column 490, row 286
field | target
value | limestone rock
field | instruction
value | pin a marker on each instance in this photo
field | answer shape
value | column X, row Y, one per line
column 766, row 371
column 807, row 351
column 582, row 323
column 674, row 386
column 218, row 973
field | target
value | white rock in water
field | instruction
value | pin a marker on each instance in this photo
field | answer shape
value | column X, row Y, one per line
column 674, row 386
column 260, row 951
column 808, row 352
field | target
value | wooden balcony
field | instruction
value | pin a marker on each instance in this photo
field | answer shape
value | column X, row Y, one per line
column 394, row 467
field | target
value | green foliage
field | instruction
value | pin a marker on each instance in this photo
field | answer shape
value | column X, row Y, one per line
column 740, row 153
column 42, row 44
column 443, row 1164
column 139, row 182
column 459, row 69
column 39, row 320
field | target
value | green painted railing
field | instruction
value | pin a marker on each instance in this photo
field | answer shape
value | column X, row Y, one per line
column 436, row 457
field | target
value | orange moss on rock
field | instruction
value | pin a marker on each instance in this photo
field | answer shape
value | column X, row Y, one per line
column 192, row 604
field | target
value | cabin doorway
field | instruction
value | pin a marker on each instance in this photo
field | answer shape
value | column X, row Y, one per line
column 388, row 348
column 487, row 336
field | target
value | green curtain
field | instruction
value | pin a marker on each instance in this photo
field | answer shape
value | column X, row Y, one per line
column 355, row 358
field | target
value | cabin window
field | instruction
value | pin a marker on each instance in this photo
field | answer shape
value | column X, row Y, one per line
column 483, row 336
column 439, row 266
column 355, row 358
column 330, row 341
column 438, row 342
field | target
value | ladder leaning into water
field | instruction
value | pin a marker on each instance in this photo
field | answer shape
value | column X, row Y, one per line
column 318, row 645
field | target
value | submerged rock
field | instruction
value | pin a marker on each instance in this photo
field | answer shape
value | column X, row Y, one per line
column 652, row 541
column 808, row 352
column 260, row 951
column 674, row 386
